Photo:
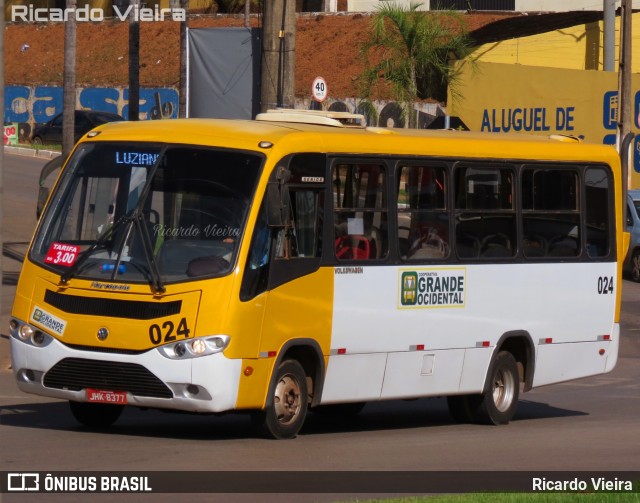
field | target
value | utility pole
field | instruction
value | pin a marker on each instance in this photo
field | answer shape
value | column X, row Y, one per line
column 609, row 35
column 278, row 54
column 182, row 98
column 69, row 80
column 624, row 80
column 134, row 61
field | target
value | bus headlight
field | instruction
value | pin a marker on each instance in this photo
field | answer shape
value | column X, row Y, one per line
column 198, row 347
column 38, row 338
column 25, row 332
column 179, row 349
column 29, row 335
column 195, row 348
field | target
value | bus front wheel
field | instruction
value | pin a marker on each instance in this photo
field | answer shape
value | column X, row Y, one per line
column 95, row 415
column 288, row 403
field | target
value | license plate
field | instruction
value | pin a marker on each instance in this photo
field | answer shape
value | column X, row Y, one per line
column 102, row 396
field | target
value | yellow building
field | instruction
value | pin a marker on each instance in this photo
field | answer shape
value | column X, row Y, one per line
column 548, row 83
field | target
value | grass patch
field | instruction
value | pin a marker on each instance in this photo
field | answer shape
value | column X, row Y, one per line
column 56, row 147
column 517, row 498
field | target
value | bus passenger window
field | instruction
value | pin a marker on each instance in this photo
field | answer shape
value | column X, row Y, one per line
column 597, row 200
column 550, row 213
column 423, row 219
column 360, row 214
column 485, row 212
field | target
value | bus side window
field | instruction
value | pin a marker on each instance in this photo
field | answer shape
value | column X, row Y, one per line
column 423, row 219
column 359, row 212
column 256, row 272
column 303, row 238
column 550, row 212
column 485, row 212
column 598, row 207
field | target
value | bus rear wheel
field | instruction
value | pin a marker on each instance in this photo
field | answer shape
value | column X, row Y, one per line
column 287, row 409
column 498, row 404
column 95, row 415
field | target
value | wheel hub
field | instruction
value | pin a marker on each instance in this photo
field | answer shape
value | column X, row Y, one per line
column 287, row 399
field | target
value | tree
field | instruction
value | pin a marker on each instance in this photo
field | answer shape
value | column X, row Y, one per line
column 410, row 52
column 278, row 54
column 182, row 103
column 134, row 62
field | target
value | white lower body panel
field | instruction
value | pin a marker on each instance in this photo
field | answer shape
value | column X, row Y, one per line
column 206, row 384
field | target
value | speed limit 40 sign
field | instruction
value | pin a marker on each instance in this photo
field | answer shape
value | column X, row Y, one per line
column 319, row 89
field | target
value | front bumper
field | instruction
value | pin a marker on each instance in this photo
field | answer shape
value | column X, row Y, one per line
column 150, row 379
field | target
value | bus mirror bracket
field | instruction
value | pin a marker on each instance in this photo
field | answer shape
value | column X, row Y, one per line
column 624, row 161
column 43, row 195
column 278, row 199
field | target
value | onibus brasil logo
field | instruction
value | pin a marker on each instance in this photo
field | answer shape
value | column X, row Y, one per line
column 429, row 288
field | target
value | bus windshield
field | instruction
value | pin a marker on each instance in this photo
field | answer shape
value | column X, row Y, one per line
column 147, row 213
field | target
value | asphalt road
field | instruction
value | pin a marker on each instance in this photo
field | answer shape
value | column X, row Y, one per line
column 586, row 425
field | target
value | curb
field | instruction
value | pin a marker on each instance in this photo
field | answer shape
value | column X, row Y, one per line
column 31, row 152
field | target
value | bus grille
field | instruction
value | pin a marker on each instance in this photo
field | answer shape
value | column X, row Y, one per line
column 78, row 373
column 113, row 308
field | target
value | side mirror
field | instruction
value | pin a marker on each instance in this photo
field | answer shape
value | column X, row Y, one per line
column 43, row 191
column 278, row 199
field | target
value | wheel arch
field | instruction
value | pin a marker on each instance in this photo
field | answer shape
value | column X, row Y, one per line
column 520, row 344
column 308, row 353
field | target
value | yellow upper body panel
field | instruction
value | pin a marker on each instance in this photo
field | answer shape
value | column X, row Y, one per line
column 294, row 137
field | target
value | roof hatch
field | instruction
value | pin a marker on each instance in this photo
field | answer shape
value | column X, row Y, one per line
column 335, row 119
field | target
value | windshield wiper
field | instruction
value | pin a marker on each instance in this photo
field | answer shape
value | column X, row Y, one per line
column 98, row 243
column 137, row 221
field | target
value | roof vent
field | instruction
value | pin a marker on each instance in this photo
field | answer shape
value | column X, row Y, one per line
column 335, row 119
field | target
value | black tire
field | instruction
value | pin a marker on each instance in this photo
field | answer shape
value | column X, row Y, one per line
column 340, row 409
column 95, row 415
column 37, row 141
column 287, row 404
column 635, row 266
column 498, row 405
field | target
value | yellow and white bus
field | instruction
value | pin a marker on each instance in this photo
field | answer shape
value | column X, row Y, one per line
column 304, row 261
